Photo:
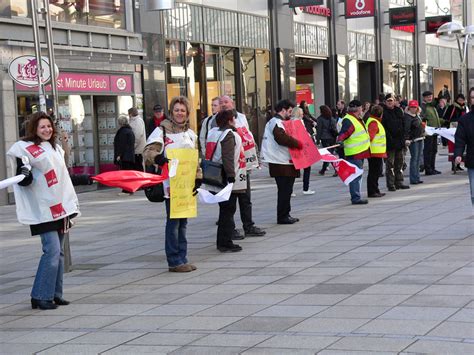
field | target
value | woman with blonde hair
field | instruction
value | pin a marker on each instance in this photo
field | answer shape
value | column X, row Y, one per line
column 173, row 133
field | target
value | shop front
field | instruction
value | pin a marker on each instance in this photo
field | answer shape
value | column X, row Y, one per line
column 88, row 107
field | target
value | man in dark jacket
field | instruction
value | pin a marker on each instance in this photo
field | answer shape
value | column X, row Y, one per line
column 275, row 152
column 464, row 138
column 155, row 121
column 451, row 117
column 394, row 123
column 124, row 147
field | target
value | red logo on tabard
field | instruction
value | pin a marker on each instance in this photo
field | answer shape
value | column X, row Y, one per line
column 242, row 160
column 57, row 210
column 210, row 148
column 168, row 141
column 360, row 8
column 247, row 139
column 35, row 150
column 51, row 178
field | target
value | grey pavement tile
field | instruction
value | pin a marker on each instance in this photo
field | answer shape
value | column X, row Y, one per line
column 455, row 290
column 10, row 336
column 374, row 300
column 139, row 323
column 230, row 288
column 454, row 330
column 298, row 342
column 439, row 347
column 419, row 313
column 140, row 349
column 240, row 340
column 121, row 310
column 179, row 339
column 257, row 280
column 105, row 337
column 277, row 351
column 331, row 271
column 355, row 352
column 315, row 300
column 181, row 288
column 175, row 310
column 398, row 326
column 257, row 299
column 202, row 323
column 23, row 349
column 34, row 321
column 371, row 344
column 290, row 311
column 240, row 310
column 385, row 289
column 337, row 289
column 62, row 349
column 300, row 279
column 437, row 301
column 280, row 289
column 264, row 324
column 207, row 350
column 6, row 319
column 328, row 325
column 464, row 315
column 203, row 298
column 87, row 322
column 353, row 311
column 45, row 336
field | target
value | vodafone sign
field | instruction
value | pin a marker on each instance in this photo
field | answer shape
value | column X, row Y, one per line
column 360, row 8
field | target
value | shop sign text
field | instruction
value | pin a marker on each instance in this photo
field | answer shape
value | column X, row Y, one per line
column 83, row 82
column 317, row 10
column 360, row 8
column 24, row 70
column 435, row 22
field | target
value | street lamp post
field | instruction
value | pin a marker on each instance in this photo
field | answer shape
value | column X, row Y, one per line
column 451, row 31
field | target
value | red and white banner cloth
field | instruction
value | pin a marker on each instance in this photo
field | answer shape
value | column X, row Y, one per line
column 348, row 172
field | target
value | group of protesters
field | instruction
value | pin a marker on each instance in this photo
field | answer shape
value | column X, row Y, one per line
column 47, row 202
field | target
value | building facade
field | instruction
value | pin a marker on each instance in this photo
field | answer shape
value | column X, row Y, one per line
column 96, row 49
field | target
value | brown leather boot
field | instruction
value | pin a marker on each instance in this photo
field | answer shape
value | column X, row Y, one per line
column 181, row 268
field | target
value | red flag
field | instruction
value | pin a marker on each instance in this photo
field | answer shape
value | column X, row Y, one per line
column 302, row 158
column 131, row 180
column 346, row 171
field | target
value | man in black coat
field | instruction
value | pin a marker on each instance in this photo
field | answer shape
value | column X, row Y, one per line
column 464, row 138
column 124, row 147
column 394, row 124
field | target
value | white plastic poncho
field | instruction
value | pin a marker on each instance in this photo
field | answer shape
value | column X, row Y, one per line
column 51, row 195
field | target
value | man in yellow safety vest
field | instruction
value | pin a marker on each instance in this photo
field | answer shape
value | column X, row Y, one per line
column 378, row 150
column 356, row 141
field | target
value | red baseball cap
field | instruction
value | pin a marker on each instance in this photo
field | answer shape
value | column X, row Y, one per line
column 413, row 103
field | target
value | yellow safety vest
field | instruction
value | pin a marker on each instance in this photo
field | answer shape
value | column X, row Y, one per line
column 379, row 143
column 359, row 140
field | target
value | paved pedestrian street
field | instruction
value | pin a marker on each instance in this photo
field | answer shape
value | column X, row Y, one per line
column 394, row 276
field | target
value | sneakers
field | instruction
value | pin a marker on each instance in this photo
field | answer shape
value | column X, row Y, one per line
column 377, row 194
column 321, row 172
column 232, row 248
column 293, row 195
column 309, row 192
column 181, row 268
column 255, row 232
column 288, row 220
column 402, row 187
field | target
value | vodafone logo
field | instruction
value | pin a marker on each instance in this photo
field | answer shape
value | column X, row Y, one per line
column 360, row 4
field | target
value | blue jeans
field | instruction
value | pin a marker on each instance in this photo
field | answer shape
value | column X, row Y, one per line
column 354, row 186
column 49, row 276
column 415, row 152
column 470, row 173
column 176, row 245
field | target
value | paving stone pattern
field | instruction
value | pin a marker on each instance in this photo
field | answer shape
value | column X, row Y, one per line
column 394, row 276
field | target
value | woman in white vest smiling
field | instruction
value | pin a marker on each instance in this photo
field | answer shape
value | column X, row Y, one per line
column 46, row 201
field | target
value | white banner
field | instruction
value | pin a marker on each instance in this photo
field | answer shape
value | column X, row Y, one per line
column 209, row 198
column 11, row 181
column 447, row 133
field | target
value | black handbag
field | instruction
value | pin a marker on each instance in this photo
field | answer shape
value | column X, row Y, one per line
column 213, row 172
column 155, row 193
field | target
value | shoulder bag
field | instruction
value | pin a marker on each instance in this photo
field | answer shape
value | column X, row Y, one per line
column 155, row 193
column 213, row 172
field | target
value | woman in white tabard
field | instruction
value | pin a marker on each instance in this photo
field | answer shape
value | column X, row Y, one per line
column 46, row 201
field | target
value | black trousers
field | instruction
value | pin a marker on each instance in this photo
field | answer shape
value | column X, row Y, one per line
column 138, row 162
column 245, row 206
column 226, row 224
column 375, row 170
column 429, row 152
column 285, row 189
